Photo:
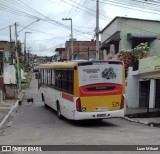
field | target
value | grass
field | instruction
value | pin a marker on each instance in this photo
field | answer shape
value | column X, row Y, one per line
column 26, row 83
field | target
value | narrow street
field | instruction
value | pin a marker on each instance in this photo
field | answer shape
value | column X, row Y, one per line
column 34, row 124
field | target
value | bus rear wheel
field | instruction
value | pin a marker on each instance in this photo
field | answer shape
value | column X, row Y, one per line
column 43, row 100
column 59, row 111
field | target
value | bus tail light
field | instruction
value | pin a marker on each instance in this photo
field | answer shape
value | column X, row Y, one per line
column 78, row 105
column 122, row 102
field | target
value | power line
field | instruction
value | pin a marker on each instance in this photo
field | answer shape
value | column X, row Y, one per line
column 49, row 19
column 4, row 28
column 88, row 10
column 81, row 6
column 70, row 10
column 122, row 6
column 28, row 25
column 22, row 13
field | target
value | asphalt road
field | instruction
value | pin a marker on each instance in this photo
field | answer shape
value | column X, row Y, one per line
column 33, row 124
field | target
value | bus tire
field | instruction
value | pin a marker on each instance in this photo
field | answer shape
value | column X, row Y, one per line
column 43, row 100
column 59, row 111
column 46, row 106
column 42, row 97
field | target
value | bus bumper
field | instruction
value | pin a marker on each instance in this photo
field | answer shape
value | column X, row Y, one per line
column 99, row 115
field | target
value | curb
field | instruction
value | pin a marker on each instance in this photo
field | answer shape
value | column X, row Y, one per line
column 137, row 121
column 12, row 109
column 8, row 114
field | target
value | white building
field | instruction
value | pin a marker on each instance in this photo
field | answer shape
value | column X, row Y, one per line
column 143, row 86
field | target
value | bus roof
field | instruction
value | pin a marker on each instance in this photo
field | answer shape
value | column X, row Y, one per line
column 72, row 64
column 59, row 65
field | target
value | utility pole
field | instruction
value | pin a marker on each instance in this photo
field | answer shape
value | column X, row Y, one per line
column 10, row 34
column 71, row 38
column 29, row 56
column 97, row 30
column 25, row 39
column 10, row 45
column 17, row 57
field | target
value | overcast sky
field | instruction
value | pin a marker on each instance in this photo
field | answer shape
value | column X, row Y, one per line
column 44, row 19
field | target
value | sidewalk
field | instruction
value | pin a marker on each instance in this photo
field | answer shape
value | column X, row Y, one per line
column 132, row 114
column 7, row 107
column 141, row 116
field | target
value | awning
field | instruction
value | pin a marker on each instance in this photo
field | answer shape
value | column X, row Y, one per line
column 151, row 75
column 144, row 36
column 115, row 37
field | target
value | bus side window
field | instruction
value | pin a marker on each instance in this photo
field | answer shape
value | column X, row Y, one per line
column 53, row 77
column 58, row 79
column 49, row 77
column 42, row 76
column 70, row 81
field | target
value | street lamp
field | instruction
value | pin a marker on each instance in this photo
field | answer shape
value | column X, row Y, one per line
column 25, row 44
column 71, row 38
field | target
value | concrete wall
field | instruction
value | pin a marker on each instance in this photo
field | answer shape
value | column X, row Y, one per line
column 152, row 94
column 11, row 91
column 10, row 81
column 9, row 74
column 110, row 30
column 132, row 92
column 1, row 88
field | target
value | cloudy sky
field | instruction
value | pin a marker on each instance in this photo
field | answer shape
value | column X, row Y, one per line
column 43, row 18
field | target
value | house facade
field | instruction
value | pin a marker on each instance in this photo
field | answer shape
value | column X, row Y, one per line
column 126, row 33
column 40, row 59
column 8, row 82
column 123, row 33
column 143, row 85
column 60, row 54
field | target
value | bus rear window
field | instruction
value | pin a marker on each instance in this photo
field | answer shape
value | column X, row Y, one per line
column 100, row 73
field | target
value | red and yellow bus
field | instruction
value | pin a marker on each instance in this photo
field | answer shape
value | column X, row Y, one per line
column 84, row 89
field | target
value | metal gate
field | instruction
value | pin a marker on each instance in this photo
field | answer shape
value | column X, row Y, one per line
column 144, row 93
column 157, row 100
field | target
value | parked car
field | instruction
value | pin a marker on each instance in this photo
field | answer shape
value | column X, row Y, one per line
column 35, row 67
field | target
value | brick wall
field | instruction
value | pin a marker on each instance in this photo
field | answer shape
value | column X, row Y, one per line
column 1, row 83
column 5, row 45
column 82, row 48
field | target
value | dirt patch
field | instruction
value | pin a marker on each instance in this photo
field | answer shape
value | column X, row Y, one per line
column 3, row 113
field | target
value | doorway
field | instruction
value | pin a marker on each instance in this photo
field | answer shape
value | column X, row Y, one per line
column 144, row 93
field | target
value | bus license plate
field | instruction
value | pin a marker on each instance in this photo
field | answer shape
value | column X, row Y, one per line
column 100, row 109
column 101, row 115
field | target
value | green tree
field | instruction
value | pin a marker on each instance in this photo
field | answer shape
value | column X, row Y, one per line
column 131, row 58
column 22, row 63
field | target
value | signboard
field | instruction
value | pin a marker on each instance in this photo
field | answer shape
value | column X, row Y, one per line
column 102, row 73
column 150, row 64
